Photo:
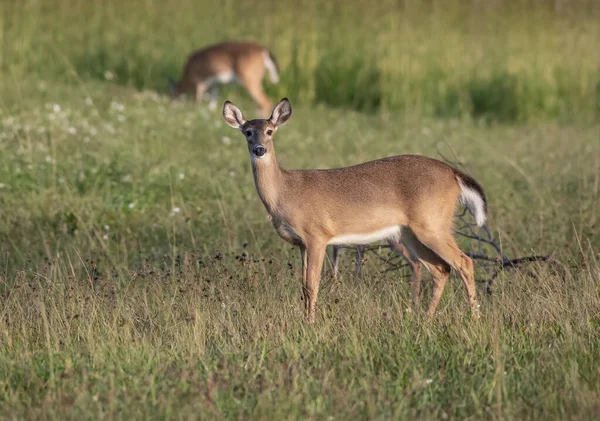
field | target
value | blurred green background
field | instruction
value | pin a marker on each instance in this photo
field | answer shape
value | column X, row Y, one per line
column 502, row 60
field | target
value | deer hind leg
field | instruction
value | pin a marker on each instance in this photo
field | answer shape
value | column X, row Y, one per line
column 415, row 269
column 254, row 86
column 445, row 247
column 312, row 259
column 439, row 269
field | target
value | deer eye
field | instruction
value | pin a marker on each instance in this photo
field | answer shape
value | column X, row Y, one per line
column 269, row 132
column 248, row 133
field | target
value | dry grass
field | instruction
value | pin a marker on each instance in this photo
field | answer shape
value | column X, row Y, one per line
column 141, row 279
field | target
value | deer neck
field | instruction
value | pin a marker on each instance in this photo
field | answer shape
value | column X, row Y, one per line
column 268, row 178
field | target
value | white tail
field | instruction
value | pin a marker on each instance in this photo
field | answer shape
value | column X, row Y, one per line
column 475, row 200
column 406, row 198
column 243, row 62
column 271, row 66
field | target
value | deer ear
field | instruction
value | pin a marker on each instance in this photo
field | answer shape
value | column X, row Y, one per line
column 233, row 115
column 281, row 113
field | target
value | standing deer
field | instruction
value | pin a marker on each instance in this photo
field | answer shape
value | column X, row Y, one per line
column 407, row 198
column 244, row 62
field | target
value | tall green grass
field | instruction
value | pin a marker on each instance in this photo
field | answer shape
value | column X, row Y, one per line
column 495, row 60
column 141, row 279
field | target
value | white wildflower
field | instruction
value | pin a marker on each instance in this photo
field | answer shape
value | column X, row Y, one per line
column 226, row 140
column 107, row 227
column 181, row 176
column 117, row 107
column 56, row 108
column 108, row 75
column 88, row 101
column 105, row 237
column 72, row 130
column 131, row 205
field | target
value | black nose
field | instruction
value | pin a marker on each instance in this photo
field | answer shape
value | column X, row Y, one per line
column 260, row 150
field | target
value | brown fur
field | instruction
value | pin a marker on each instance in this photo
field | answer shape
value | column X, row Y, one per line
column 244, row 59
column 310, row 207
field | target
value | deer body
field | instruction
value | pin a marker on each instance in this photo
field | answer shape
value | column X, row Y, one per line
column 359, row 204
column 407, row 198
column 242, row 62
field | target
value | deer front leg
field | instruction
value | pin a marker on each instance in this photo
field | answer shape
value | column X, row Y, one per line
column 200, row 89
column 312, row 258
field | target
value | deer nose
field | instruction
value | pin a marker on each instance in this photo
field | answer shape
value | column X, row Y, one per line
column 259, row 150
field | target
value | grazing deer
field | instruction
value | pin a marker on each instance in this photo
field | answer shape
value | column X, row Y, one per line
column 244, row 62
column 407, row 198
column 413, row 263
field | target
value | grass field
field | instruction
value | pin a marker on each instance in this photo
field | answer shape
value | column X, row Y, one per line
column 141, row 279
column 504, row 60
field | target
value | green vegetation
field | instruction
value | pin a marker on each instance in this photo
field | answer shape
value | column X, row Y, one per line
column 517, row 60
column 141, row 279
